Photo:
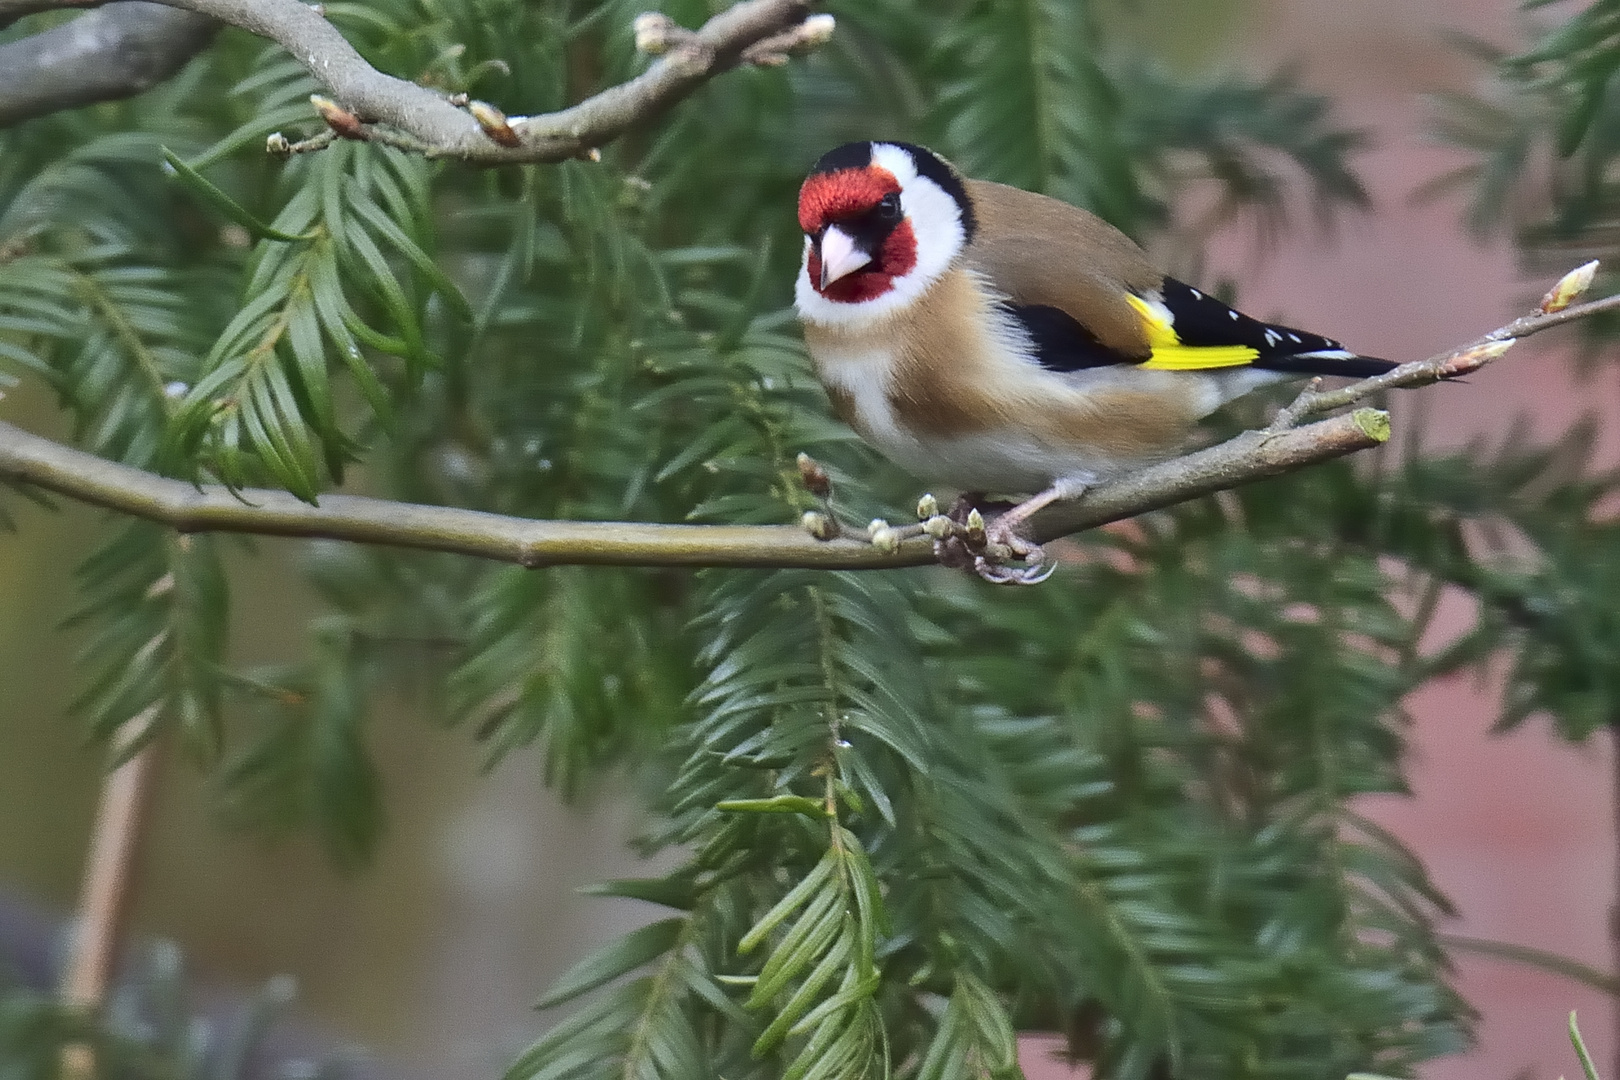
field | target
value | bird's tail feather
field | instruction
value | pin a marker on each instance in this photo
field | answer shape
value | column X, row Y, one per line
column 1339, row 362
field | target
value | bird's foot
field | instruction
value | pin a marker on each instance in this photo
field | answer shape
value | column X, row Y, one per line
column 963, row 541
column 1000, row 573
column 993, row 566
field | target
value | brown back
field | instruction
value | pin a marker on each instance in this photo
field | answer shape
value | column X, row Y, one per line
column 1039, row 250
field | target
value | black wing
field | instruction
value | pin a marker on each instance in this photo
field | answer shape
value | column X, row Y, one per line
column 1198, row 320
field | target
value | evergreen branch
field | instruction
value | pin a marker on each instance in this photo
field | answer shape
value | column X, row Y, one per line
column 96, row 298
column 974, row 1039
column 752, row 32
column 158, row 603
column 32, row 459
column 106, row 55
column 665, row 992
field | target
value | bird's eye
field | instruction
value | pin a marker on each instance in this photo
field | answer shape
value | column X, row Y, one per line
column 888, row 208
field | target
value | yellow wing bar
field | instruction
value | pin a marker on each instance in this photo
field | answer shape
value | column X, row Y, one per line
column 1170, row 353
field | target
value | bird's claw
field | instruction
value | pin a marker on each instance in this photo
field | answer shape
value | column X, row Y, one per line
column 997, row 573
column 1002, row 542
column 988, row 550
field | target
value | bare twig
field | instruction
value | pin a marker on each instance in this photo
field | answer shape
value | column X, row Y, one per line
column 440, row 128
column 1447, row 365
column 104, row 902
column 113, row 53
column 279, row 145
column 40, row 462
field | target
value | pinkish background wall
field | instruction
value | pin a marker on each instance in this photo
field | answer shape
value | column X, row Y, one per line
column 1518, row 830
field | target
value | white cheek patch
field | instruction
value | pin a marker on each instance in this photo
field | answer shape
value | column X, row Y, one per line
column 935, row 218
column 936, row 222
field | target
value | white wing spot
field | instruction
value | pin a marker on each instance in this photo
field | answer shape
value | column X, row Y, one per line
column 1295, row 339
column 1196, row 295
column 1234, row 315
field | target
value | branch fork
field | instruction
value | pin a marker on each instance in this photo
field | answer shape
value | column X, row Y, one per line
column 800, row 40
column 366, row 104
column 359, row 102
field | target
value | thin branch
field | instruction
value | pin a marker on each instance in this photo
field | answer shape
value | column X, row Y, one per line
column 31, row 459
column 104, row 902
column 1539, row 959
column 1448, row 365
column 444, row 129
column 106, row 55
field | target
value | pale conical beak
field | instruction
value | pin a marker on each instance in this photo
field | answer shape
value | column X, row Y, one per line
column 839, row 255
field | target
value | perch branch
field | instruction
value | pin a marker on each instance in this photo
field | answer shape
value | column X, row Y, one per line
column 106, row 55
column 37, row 461
column 753, row 31
column 1254, row 455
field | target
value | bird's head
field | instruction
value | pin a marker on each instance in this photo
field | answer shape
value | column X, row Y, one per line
column 881, row 222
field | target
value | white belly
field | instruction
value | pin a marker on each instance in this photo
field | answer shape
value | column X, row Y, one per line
column 1005, row 461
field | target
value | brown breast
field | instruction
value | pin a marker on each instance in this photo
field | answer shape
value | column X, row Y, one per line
column 950, row 373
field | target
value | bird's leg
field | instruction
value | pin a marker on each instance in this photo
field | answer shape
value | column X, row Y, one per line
column 1003, row 532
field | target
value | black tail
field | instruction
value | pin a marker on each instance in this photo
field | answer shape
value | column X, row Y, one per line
column 1201, row 319
column 1325, row 362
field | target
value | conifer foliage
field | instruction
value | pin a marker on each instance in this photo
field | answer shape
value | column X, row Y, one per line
column 914, row 814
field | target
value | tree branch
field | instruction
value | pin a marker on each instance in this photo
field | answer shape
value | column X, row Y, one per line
column 754, row 31
column 1254, row 455
column 1451, row 365
column 107, row 893
column 30, row 459
column 106, row 55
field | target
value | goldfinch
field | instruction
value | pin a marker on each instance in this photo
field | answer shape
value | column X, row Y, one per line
column 1002, row 341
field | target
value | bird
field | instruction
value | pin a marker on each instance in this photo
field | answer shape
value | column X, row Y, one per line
column 1003, row 341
